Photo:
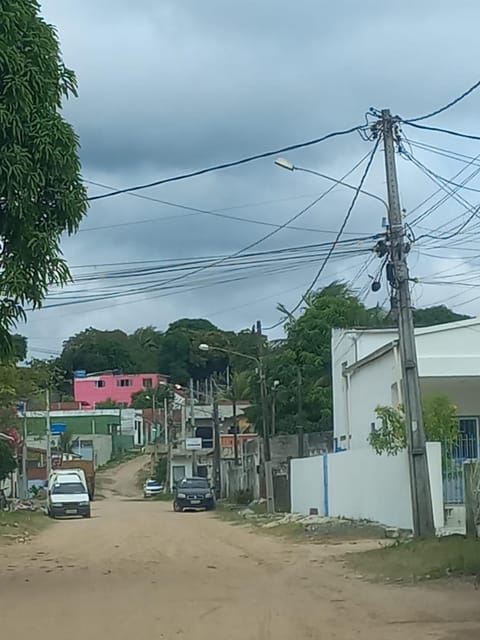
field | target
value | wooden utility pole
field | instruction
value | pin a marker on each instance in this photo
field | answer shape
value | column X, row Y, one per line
column 417, row 452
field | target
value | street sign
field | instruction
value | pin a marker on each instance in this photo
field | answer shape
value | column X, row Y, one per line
column 193, row 444
column 58, row 427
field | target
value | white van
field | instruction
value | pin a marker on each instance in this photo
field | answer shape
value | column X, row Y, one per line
column 67, row 472
column 68, row 496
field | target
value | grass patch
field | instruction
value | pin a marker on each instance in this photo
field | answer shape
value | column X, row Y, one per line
column 20, row 526
column 416, row 560
column 163, row 497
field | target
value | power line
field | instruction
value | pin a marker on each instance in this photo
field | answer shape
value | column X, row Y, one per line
column 218, row 213
column 458, row 134
column 449, row 105
column 227, row 165
column 338, row 236
column 274, row 231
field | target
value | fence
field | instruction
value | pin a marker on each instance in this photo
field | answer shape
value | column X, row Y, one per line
column 360, row 484
column 453, row 458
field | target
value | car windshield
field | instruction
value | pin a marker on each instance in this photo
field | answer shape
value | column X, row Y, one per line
column 193, row 484
column 153, row 483
column 69, row 488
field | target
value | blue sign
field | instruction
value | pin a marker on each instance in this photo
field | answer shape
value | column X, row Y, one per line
column 58, row 427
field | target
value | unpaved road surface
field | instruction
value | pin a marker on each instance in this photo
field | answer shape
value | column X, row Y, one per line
column 139, row 571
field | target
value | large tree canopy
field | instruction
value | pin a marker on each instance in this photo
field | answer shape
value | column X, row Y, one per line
column 303, row 355
column 41, row 191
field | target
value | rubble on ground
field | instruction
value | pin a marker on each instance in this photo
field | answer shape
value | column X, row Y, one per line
column 317, row 524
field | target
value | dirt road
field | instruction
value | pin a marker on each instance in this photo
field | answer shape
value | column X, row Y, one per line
column 139, row 571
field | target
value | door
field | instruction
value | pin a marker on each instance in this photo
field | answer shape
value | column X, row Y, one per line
column 178, row 474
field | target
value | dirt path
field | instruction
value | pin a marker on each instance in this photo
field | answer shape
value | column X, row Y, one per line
column 121, row 481
column 139, row 571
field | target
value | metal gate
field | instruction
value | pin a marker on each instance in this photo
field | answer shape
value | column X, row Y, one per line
column 453, row 458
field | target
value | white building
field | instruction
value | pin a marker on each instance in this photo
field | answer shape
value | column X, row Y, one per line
column 366, row 373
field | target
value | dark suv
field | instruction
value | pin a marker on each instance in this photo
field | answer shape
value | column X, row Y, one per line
column 193, row 493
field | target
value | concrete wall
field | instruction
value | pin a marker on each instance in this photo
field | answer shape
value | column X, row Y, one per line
column 360, row 484
column 307, row 486
column 97, row 447
column 370, row 386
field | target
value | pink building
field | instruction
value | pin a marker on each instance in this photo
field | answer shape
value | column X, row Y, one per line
column 90, row 390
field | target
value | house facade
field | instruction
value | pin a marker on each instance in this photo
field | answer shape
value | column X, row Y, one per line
column 125, row 426
column 366, row 372
column 92, row 389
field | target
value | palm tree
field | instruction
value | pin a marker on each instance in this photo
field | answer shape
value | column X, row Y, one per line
column 239, row 390
column 65, row 443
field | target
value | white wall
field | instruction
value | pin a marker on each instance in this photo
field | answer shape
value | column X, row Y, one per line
column 306, row 484
column 363, row 485
column 449, row 350
column 434, row 456
column 349, row 346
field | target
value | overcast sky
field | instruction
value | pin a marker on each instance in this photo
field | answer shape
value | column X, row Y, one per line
column 170, row 87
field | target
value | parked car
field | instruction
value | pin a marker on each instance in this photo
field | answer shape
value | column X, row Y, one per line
column 152, row 488
column 68, row 496
column 193, row 493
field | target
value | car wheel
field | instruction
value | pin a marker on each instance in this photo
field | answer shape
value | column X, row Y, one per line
column 177, row 508
column 87, row 515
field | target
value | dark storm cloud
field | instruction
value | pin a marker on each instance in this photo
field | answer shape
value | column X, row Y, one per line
column 166, row 87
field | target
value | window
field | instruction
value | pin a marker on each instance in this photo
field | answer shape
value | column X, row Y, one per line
column 468, row 440
column 147, row 383
column 124, row 382
column 196, row 483
column 86, row 444
column 99, row 383
column 69, row 488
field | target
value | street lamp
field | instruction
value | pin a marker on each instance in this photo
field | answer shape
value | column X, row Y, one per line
column 283, row 163
column 263, row 396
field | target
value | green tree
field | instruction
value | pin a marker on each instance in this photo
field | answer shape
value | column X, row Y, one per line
column 145, row 344
column 180, row 356
column 436, row 315
column 94, row 350
column 144, row 399
column 440, row 423
column 109, row 403
column 41, row 191
column 8, row 463
column 65, row 443
column 307, row 349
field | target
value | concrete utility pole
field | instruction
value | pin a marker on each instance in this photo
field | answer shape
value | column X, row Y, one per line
column 24, row 487
column 300, row 425
column 217, row 453
column 192, row 425
column 419, row 479
column 266, row 435
column 235, row 422
column 48, row 433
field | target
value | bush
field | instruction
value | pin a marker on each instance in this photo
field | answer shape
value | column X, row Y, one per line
column 244, row 496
